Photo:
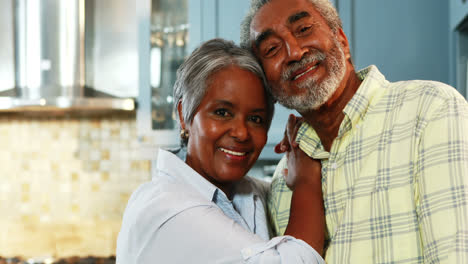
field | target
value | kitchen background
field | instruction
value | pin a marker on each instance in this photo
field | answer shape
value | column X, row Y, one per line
column 85, row 99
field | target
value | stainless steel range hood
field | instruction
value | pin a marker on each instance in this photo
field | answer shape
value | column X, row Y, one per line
column 72, row 55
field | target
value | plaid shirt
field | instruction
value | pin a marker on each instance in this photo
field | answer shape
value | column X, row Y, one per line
column 395, row 183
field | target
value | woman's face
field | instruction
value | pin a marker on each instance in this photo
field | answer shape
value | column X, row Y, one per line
column 229, row 128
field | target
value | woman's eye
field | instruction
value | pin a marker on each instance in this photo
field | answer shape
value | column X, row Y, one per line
column 256, row 119
column 222, row 112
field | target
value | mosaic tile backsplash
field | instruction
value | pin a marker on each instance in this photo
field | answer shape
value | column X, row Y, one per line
column 65, row 182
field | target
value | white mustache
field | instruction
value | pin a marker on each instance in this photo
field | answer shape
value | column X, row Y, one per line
column 308, row 58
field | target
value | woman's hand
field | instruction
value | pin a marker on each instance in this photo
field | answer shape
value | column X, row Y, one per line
column 298, row 161
column 302, row 171
column 290, row 133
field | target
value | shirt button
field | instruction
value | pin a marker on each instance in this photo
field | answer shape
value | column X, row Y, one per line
column 334, row 165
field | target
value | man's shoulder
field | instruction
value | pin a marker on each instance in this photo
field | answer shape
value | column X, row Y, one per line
column 431, row 89
column 424, row 97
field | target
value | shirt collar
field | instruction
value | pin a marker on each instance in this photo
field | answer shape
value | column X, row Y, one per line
column 176, row 169
column 242, row 209
column 367, row 95
column 364, row 98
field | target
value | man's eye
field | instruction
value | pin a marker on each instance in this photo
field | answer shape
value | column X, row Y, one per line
column 305, row 29
column 222, row 112
column 270, row 51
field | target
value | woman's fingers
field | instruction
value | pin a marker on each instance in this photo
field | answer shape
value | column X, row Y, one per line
column 294, row 123
column 290, row 133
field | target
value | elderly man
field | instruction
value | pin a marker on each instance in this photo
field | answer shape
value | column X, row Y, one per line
column 394, row 155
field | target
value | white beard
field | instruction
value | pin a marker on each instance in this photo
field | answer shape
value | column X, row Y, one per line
column 316, row 94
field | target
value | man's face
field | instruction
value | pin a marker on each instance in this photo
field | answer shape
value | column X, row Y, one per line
column 302, row 57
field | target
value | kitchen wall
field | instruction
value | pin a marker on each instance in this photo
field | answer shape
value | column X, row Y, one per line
column 65, row 182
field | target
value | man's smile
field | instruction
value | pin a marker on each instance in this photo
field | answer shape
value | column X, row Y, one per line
column 302, row 72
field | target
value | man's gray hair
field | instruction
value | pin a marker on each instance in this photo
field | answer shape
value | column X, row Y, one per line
column 194, row 74
column 324, row 7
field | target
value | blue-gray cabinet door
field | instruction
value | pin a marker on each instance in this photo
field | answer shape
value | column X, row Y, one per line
column 221, row 18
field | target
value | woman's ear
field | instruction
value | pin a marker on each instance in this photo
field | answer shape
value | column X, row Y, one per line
column 181, row 117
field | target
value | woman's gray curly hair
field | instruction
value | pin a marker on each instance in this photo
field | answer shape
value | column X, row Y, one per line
column 324, row 7
column 194, row 74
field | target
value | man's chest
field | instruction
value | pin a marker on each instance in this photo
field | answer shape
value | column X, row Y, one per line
column 368, row 187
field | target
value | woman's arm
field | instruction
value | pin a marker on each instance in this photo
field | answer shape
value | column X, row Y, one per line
column 303, row 177
column 306, row 220
column 179, row 226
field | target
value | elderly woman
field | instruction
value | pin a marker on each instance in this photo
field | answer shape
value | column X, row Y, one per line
column 204, row 209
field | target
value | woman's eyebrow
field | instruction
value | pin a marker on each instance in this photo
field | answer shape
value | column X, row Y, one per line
column 223, row 102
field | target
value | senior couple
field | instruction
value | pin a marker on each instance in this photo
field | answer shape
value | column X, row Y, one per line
column 374, row 171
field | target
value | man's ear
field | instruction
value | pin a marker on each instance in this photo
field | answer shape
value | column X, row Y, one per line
column 343, row 40
column 181, row 117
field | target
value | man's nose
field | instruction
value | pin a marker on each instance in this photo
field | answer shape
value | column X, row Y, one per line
column 294, row 49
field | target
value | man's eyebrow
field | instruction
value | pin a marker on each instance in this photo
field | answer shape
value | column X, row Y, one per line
column 264, row 35
column 297, row 16
column 291, row 19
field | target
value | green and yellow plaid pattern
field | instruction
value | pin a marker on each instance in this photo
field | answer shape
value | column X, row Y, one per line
column 395, row 182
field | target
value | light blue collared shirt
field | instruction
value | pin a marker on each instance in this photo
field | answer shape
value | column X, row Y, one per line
column 180, row 217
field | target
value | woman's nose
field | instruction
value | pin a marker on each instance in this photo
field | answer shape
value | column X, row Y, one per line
column 240, row 130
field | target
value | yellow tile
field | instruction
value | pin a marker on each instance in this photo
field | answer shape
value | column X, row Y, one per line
column 55, row 167
column 45, row 208
column 134, row 165
column 94, row 165
column 105, row 155
column 25, row 166
column 25, row 218
column 75, row 177
column 25, row 187
column 145, row 165
column 96, row 144
column 25, row 198
column 35, row 155
column 95, row 187
column 124, row 197
column 75, row 208
column 105, row 176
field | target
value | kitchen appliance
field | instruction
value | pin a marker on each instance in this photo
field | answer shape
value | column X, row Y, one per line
column 68, row 55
